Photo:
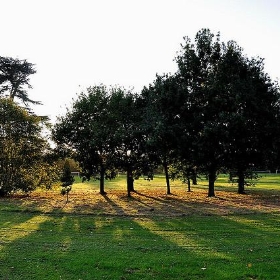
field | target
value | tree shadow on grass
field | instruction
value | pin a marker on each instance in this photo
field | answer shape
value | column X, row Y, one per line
column 192, row 204
column 118, row 210
column 186, row 236
column 77, row 246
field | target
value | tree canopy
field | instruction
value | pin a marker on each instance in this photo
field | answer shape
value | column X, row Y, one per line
column 234, row 105
column 15, row 79
column 102, row 128
column 218, row 111
column 25, row 156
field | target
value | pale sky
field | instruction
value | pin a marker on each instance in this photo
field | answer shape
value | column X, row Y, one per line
column 78, row 43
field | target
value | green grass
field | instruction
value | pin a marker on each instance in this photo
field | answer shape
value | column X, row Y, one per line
column 60, row 245
column 267, row 181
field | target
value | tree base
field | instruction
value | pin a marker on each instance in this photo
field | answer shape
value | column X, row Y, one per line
column 241, row 192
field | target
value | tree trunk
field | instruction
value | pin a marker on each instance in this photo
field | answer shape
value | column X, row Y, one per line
column 194, row 176
column 102, row 179
column 241, row 181
column 211, row 179
column 165, row 166
column 189, row 184
column 129, row 182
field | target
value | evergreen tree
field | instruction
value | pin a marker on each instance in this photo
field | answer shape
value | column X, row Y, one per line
column 67, row 180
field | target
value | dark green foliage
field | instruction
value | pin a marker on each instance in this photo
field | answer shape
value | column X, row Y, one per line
column 220, row 110
column 24, row 155
column 129, row 139
column 198, row 66
column 232, row 103
column 85, row 128
column 67, row 179
column 74, row 165
column 14, row 78
column 102, row 127
column 162, row 121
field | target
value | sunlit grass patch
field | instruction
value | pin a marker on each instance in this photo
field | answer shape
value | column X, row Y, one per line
column 20, row 230
column 193, row 247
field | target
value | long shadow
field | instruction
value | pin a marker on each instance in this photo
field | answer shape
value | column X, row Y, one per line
column 181, row 207
column 148, row 206
column 88, row 247
column 77, row 246
column 118, row 210
column 73, row 246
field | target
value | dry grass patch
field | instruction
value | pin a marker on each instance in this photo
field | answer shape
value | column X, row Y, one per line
column 147, row 202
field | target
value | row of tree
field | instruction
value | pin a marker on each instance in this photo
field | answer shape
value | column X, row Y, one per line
column 219, row 110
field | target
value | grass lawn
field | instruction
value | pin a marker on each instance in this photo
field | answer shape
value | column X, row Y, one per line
column 148, row 236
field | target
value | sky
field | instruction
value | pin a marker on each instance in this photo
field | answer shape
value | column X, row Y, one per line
column 75, row 44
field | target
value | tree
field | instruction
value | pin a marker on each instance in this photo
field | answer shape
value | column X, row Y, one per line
column 67, row 180
column 23, row 151
column 197, row 67
column 14, row 79
column 128, row 139
column 233, row 105
column 103, row 128
column 97, row 130
column 184, row 172
column 162, row 121
column 253, row 121
column 86, row 129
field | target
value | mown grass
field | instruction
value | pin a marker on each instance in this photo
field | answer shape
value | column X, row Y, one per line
column 149, row 236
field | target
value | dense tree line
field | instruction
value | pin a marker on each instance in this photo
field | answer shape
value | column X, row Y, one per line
column 219, row 110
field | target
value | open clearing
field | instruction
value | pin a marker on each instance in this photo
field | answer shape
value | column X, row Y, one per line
column 148, row 236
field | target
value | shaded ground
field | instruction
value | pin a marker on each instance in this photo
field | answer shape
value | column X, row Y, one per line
column 147, row 202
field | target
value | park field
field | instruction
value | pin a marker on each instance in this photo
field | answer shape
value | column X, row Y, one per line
column 151, row 235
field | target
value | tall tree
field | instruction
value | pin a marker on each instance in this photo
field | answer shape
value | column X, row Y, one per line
column 103, row 127
column 254, row 99
column 197, row 67
column 162, row 120
column 23, row 151
column 86, row 128
column 233, row 102
column 128, row 139
column 15, row 79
